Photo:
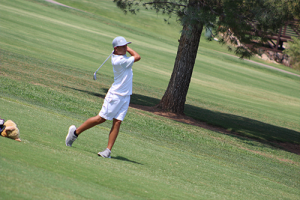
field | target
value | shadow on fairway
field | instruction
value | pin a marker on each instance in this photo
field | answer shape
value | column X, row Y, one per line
column 135, row 98
column 234, row 124
column 112, row 157
column 125, row 159
column 237, row 126
column 244, row 126
column 90, row 92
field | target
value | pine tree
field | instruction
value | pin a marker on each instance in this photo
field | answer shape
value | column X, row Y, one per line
column 238, row 21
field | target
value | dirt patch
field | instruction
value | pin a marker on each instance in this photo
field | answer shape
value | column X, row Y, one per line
column 272, row 156
column 3, row 74
column 293, row 148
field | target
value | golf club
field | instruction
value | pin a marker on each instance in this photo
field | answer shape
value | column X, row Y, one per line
column 95, row 78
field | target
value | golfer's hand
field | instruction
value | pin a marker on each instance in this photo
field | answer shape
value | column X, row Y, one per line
column 136, row 56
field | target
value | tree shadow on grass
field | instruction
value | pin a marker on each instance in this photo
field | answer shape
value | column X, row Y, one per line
column 135, row 98
column 244, row 126
column 237, row 126
column 234, row 125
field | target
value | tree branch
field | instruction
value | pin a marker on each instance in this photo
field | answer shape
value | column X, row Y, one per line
column 165, row 2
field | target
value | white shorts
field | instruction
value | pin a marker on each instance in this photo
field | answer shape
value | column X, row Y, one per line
column 114, row 106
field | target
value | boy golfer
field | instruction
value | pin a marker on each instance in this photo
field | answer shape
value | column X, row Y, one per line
column 117, row 99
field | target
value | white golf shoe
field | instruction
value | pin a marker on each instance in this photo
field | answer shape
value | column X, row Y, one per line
column 71, row 137
column 105, row 154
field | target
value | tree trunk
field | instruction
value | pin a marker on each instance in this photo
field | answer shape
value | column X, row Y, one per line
column 175, row 95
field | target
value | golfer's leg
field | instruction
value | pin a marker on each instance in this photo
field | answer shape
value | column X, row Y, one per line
column 89, row 123
column 113, row 133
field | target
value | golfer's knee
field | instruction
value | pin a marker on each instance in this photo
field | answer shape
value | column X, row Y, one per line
column 99, row 119
column 117, row 122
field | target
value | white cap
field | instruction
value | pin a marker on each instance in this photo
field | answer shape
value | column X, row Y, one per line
column 119, row 41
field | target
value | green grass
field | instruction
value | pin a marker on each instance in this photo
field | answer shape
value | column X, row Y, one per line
column 48, row 57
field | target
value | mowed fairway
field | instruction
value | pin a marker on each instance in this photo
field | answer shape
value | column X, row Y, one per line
column 48, row 55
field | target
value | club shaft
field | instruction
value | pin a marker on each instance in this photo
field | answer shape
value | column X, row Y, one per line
column 104, row 62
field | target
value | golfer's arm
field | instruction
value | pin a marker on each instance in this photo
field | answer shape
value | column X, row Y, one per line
column 136, row 56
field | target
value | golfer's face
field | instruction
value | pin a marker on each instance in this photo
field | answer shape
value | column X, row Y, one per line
column 121, row 50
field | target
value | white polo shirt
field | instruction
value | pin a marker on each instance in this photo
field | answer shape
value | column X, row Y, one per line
column 122, row 67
